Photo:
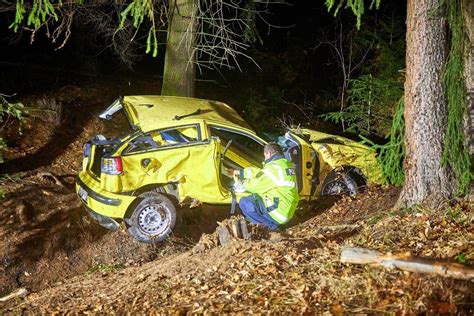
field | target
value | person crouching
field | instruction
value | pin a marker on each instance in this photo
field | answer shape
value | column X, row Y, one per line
column 274, row 189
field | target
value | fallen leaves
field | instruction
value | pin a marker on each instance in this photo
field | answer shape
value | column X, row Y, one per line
column 287, row 273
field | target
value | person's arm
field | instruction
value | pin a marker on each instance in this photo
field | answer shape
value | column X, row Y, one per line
column 259, row 183
column 249, row 172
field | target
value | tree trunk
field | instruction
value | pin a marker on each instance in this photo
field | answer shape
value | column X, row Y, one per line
column 469, row 69
column 427, row 181
column 180, row 71
column 468, row 7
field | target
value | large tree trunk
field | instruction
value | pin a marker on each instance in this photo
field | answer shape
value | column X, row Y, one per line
column 469, row 69
column 468, row 6
column 180, row 71
column 427, row 181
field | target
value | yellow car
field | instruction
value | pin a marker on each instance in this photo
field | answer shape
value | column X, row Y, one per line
column 181, row 148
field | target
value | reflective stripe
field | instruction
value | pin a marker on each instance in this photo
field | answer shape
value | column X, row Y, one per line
column 247, row 173
column 280, row 218
column 267, row 201
column 280, row 173
column 279, row 182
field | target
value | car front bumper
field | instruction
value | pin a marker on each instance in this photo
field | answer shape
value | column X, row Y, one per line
column 99, row 201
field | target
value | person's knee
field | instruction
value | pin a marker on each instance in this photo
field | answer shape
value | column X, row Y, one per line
column 247, row 205
column 244, row 202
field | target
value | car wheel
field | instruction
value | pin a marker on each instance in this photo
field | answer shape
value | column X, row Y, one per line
column 349, row 181
column 153, row 218
column 358, row 177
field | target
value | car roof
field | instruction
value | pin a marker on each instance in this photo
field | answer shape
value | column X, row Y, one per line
column 152, row 112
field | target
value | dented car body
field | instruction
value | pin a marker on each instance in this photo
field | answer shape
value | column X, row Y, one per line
column 180, row 149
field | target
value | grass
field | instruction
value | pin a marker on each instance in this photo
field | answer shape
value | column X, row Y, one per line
column 103, row 268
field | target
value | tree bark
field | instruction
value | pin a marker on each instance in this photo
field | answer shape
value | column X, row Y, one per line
column 179, row 70
column 427, row 181
column 468, row 6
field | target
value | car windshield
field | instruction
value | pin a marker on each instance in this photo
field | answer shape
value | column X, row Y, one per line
column 269, row 136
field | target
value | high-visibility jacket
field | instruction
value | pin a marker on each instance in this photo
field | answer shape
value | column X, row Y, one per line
column 276, row 185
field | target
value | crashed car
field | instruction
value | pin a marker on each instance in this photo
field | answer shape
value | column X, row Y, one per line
column 180, row 148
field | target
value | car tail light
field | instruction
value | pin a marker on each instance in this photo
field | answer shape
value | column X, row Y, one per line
column 111, row 165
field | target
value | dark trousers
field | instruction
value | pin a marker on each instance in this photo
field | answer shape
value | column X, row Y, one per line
column 255, row 211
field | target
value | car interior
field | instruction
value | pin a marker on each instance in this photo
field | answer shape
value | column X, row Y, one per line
column 164, row 138
column 238, row 151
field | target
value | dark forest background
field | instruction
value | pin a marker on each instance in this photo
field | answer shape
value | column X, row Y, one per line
column 309, row 63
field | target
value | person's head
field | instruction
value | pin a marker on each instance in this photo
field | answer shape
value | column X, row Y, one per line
column 272, row 149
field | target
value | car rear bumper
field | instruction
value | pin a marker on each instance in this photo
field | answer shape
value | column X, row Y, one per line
column 99, row 201
column 104, row 221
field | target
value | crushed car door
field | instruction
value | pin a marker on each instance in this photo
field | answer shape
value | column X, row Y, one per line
column 173, row 156
column 306, row 162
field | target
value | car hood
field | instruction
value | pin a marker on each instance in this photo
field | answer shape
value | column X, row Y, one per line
column 150, row 112
column 340, row 151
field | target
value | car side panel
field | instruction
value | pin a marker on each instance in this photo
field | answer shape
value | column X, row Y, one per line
column 194, row 168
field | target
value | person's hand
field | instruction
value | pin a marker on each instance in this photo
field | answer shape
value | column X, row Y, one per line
column 236, row 173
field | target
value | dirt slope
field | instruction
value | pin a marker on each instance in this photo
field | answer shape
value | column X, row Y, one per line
column 293, row 271
column 70, row 264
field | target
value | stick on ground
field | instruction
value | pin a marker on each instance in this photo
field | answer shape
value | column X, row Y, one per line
column 21, row 292
column 412, row 264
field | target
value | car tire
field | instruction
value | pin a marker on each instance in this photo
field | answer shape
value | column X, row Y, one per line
column 348, row 181
column 152, row 219
column 172, row 194
column 358, row 177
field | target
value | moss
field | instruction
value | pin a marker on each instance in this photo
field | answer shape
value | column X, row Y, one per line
column 456, row 154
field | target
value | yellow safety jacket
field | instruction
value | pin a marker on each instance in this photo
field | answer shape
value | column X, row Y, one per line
column 276, row 185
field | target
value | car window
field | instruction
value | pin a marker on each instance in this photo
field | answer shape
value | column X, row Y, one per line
column 182, row 135
column 244, row 144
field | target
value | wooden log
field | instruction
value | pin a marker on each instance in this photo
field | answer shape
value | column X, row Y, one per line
column 21, row 292
column 224, row 235
column 234, row 226
column 244, row 229
column 407, row 263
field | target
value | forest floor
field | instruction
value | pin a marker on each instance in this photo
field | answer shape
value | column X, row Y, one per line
column 68, row 263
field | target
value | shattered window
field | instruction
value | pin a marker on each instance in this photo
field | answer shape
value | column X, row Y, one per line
column 182, row 135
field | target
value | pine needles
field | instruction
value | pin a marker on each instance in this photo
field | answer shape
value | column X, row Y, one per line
column 371, row 105
column 392, row 154
column 357, row 7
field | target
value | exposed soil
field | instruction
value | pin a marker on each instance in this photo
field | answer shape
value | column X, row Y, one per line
column 67, row 262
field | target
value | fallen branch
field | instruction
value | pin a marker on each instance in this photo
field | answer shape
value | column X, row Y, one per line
column 339, row 227
column 407, row 263
column 49, row 174
column 21, row 292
